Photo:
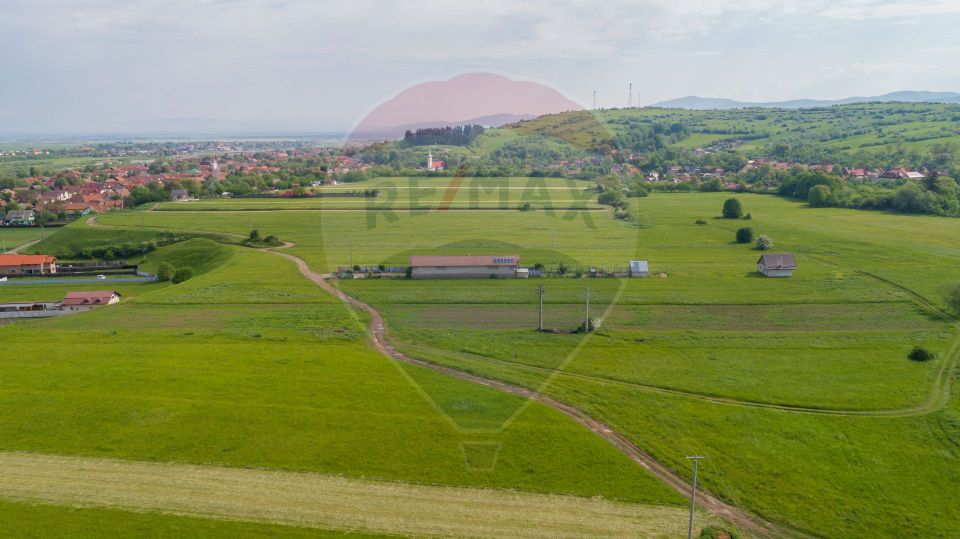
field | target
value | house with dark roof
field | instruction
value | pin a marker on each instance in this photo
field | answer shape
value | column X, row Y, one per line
column 776, row 265
column 20, row 218
column 464, row 267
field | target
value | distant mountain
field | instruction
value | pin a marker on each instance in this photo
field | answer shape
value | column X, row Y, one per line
column 474, row 98
column 708, row 103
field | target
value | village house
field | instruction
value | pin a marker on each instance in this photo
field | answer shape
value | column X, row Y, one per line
column 20, row 218
column 11, row 264
column 777, row 265
column 83, row 301
column 464, row 267
column 179, row 195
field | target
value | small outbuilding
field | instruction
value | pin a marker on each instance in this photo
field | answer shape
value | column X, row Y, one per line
column 777, row 265
column 639, row 268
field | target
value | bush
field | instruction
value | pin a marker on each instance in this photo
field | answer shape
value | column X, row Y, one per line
column 583, row 328
column 182, row 274
column 732, row 209
column 745, row 235
column 748, row 216
column 920, row 353
column 254, row 236
column 165, row 272
column 701, row 221
column 951, row 295
column 525, row 206
column 764, row 243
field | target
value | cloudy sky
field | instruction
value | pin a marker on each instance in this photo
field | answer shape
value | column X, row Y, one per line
column 92, row 66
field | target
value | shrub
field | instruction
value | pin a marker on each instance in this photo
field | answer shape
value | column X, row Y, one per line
column 732, row 209
column 748, row 216
column 583, row 328
column 525, row 206
column 745, row 235
column 701, row 221
column 951, row 295
column 920, row 353
column 254, row 235
column 182, row 274
column 165, row 272
column 764, row 243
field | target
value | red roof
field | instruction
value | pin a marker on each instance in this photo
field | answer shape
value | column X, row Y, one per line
column 98, row 297
column 25, row 260
column 459, row 261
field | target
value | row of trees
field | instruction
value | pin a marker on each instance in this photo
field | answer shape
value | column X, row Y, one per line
column 934, row 195
column 461, row 135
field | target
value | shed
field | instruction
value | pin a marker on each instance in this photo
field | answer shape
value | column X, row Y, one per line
column 639, row 268
column 777, row 265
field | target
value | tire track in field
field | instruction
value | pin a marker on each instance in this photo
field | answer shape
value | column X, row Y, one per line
column 323, row 501
column 745, row 521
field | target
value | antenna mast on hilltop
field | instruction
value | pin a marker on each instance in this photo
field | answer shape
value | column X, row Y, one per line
column 630, row 95
column 594, row 99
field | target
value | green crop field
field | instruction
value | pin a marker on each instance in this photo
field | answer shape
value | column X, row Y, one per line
column 12, row 237
column 798, row 391
column 249, row 364
column 421, row 193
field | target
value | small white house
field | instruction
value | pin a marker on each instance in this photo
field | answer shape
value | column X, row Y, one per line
column 777, row 265
column 639, row 268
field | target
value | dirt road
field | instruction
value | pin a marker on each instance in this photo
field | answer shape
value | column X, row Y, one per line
column 745, row 521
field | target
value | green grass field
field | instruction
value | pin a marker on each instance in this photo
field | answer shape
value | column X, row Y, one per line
column 250, row 364
column 12, row 237
column 797, row 390
column 420, row 194
column 833, row 338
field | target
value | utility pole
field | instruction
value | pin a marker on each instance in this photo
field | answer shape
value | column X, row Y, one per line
column 594, row 100
column 630, row 95
column 693, row 495
column 350, row 244
column 540, row 291
column 586, row 323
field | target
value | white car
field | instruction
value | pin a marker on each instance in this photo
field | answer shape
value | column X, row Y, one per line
column 101, row 277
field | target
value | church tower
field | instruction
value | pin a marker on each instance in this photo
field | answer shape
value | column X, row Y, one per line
column 429, row 161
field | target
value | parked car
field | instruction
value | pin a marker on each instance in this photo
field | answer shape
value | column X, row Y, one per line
column 101, row 277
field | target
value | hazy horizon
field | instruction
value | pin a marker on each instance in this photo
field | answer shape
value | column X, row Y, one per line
column 260, row 66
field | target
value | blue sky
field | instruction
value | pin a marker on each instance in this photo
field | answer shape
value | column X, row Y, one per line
column 136, row 66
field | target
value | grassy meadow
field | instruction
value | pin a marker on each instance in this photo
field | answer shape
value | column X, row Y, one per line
column 249, row 364
column 798, row 391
